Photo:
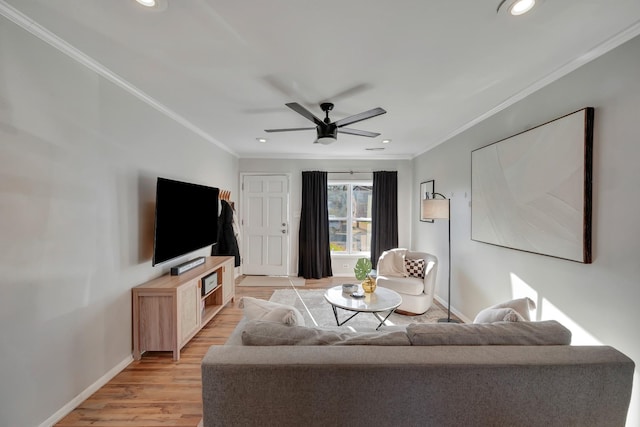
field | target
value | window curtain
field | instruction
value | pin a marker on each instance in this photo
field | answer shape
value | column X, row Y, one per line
column 314, row 253
column 384, row 215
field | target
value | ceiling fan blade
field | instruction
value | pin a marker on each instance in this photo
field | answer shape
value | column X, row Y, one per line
column 289, row 87
column 286, row 130
column 358, row 132
column 305, row 113
column 359, row 117
column 348, row 92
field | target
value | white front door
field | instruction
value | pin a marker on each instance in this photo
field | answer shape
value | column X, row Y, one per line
column 265, row 222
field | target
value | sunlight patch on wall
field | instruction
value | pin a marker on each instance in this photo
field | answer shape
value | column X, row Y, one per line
column 579, row 336
column 547, row 311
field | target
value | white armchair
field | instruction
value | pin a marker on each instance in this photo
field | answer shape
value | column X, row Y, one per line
column 416, row 293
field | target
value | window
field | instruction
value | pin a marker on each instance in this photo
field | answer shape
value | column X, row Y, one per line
column 350, row 217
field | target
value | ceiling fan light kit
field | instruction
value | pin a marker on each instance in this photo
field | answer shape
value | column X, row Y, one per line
column 325, row 140
column 327, row 131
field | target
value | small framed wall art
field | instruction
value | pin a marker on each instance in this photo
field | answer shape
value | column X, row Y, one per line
column 426, row 192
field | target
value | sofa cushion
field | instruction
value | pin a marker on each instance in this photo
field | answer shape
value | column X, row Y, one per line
column 491, row 315
column 259, row 333
column 259, row 309
column 403, row 285
column 548, row 332
column 414, row 267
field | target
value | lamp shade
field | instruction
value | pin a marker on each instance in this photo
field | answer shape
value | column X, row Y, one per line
column 434, row 209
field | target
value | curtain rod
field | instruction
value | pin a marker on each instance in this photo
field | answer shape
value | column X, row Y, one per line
column 351, row 172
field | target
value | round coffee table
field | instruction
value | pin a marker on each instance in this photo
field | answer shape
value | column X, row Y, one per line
column 381, row 301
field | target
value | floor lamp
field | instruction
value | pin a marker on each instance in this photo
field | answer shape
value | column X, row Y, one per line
column 440, row 209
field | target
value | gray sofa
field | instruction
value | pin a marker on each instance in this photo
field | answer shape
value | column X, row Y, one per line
column 501, row 374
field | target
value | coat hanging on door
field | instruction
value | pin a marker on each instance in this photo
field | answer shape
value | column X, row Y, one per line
column 227, row 242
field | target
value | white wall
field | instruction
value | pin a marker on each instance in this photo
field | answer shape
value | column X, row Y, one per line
column 597, row 301
column 78, row 163
column 295, row 168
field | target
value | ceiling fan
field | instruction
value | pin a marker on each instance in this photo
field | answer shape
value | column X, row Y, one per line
column 328, row 130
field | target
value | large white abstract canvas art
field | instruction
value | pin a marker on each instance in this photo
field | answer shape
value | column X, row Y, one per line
column 532, row 191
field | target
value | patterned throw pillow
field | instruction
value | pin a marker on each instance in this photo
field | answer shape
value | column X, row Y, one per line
column 414, row 267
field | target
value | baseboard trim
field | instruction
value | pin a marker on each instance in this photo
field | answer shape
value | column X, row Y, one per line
column 461, row 316
column 73, row 403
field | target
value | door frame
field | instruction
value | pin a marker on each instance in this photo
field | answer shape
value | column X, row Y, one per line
column 288, row 240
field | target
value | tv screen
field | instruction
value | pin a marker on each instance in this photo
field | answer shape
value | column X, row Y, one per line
column 186, row 219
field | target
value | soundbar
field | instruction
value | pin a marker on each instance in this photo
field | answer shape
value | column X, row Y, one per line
column 186, row 266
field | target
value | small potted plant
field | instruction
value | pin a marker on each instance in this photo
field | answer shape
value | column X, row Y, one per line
column 362, row 270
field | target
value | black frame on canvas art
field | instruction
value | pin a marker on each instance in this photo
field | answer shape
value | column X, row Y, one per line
column 532, row 191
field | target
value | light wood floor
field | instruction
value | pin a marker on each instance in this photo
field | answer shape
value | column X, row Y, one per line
column 156, row 391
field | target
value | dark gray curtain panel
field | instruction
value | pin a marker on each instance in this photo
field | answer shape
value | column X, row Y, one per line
column 384, row 215
column 314, row 253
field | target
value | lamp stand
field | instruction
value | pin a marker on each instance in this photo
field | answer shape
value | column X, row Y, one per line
column 448, row 319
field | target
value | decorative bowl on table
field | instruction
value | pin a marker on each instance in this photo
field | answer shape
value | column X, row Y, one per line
column 349, row 288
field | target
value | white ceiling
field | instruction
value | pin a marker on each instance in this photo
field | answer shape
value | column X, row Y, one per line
column 226, row 68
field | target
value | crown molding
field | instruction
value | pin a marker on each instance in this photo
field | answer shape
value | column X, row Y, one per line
column 599, row 50
column 48, row 37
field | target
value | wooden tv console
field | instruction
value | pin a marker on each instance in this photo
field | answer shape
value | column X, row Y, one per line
column 169, row 310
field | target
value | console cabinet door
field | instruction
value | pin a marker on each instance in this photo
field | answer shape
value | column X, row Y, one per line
column 188, row 311
column 153, row 322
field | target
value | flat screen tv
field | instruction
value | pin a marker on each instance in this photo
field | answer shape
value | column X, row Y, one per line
column 186, row 219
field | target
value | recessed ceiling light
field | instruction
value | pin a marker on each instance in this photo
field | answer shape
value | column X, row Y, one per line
column 261, row 139
column 386, row 141
column 517, row 7
column 522, row 6
column 154, row 5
